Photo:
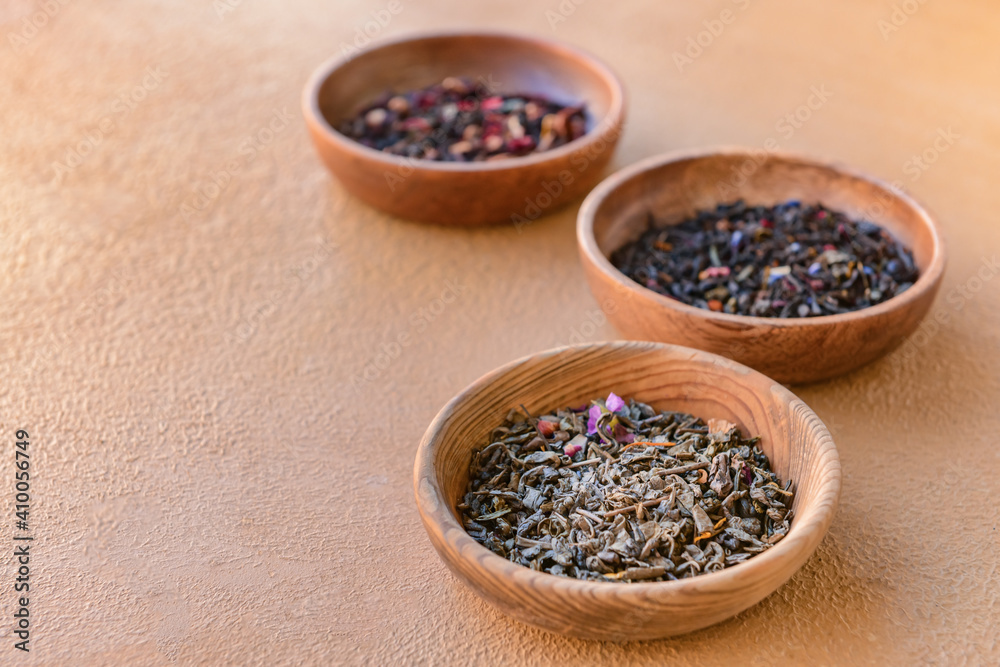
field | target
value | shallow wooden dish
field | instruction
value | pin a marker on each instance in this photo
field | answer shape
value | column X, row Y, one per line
column 667, row 377
column 466, row 193
column 676, row 185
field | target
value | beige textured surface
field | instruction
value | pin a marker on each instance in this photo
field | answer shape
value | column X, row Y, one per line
column 215, row 479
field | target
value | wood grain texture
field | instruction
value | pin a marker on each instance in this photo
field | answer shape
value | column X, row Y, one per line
column 675, row 186
column 667, row 377
column 478, row 193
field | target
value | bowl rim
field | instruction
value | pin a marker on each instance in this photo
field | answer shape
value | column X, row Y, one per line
column 609, row 124
column 800, row 542
column 928, row 280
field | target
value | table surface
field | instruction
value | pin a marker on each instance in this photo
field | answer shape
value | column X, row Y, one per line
column 198, row 322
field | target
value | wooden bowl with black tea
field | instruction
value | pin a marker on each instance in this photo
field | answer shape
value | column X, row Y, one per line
column 676, row 187
column 666, row 377
column 519, row 187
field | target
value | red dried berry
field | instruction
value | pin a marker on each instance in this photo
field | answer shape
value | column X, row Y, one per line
column 547, row 428
column 416, row 124
column 491, row 103
column 523, row 144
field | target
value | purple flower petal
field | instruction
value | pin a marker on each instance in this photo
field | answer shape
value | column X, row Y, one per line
column 614, row 402
column 629, row 437
column 616, row 430
column 595, row 414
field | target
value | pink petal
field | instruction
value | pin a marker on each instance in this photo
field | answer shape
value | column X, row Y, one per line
column 571, row 450
column 621, row 434
column 595, row 414
column 614, row 402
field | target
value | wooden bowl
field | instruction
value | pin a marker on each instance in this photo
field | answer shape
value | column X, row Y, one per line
column 668, row 378
column 676, row 185
column 450, row 193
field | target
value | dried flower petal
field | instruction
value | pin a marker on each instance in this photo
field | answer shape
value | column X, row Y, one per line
column 620, row 432
column 594, row 415
column 614, row 402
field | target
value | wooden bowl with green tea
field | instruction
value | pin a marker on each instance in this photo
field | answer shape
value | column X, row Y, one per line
column 673, row 189
column 666, row 378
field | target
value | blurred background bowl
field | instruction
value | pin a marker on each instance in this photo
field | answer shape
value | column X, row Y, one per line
column 675, row 186
column 471, row 193
column 667, row 377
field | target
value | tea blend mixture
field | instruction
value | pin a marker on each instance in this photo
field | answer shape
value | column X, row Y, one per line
column 616, row 492
column 790, row 260
column 459, row 120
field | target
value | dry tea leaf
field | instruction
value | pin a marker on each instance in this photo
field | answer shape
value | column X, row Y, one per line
column 615, row 491
column 789, row 260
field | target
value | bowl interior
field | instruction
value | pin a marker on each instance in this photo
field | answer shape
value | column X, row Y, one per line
column 506, row 63
column 668, row 378
column 677, row 189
